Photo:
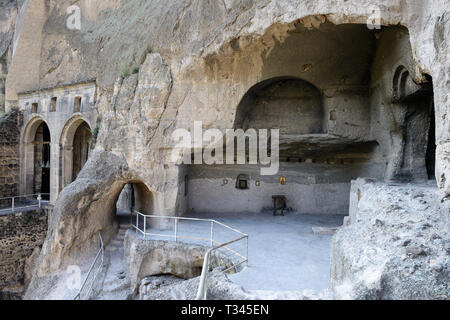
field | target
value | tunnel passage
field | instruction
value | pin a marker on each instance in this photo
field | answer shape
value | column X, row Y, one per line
column 42, row 140
column 135, row 196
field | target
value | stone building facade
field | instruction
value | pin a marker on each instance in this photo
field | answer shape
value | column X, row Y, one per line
column 66, row 113
column 20, row 234
column 9, row 154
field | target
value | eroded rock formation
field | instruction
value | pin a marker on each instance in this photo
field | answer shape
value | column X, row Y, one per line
column 161, row 65
column 396, row 247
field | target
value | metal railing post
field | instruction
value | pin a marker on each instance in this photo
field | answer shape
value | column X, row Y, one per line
column 145, row 227
column 39, row 200
column 13, row 199
column 247, row 253
column 176, row 229
column 212, row 233
column 137, row 222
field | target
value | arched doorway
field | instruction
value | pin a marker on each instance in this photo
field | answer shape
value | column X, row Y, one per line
column 76, row 145
column 41, row 179
column 81, row 147
column 36, row 158
column 418, row 144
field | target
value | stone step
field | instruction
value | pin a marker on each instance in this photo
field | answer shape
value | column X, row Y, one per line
column 115, row 285
column 113, row 248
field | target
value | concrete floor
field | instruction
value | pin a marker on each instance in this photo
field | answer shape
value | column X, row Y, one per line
column 284, row 253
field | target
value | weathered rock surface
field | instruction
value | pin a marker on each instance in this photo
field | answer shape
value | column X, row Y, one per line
column 194, row 60
column 221, row 288
column 153, row 258
column 396, row 247
column 8, row 14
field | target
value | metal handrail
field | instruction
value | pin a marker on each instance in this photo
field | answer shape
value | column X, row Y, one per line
column 13, row 207
column 176, row 236
column 100, row 254
column 202, row 290
column 26, row 196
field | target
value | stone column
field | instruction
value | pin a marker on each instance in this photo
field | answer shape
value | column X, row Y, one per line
column 27, row 169
column 67, row 166
column 54, row 171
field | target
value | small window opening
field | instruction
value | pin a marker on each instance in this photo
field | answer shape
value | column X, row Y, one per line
column 242, row 182
column 53, row 105
column 34, row 108
column 77, row 104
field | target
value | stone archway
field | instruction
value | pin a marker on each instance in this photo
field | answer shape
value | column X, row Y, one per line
column 293, row 105
column 36, row 155
column 135, row 196
column 75, row 148
column 416, row 155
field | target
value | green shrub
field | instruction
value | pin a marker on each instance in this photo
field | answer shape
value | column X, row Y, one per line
column 2, row 105
column 96, row 130
column 124, row 72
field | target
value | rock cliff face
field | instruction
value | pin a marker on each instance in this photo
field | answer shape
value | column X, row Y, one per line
column 8, row 14
column 396, row 247
column 160, row 65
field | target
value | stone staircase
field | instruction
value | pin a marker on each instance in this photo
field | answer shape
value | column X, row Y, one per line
column 115, row 284
column 117, row 243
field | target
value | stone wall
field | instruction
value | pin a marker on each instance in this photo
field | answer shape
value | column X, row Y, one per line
column 9, row 155
column 311, row 188
column 20, row 235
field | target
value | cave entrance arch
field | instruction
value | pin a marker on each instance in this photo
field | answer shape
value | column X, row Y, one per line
column 134, row 196
column 76, row 142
